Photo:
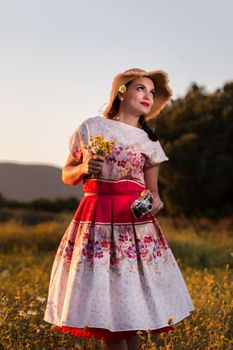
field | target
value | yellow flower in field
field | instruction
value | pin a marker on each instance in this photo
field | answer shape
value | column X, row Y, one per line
column 169, row 346
column 40, row 299
column 170, row 320
column 22, row 313
column 31, row 312
column 54, row 326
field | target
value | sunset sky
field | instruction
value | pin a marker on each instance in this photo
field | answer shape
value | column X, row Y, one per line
column 58, row 59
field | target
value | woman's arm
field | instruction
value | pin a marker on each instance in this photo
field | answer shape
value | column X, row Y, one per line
column 151, row 183
column 151, row 178
column 73, row 171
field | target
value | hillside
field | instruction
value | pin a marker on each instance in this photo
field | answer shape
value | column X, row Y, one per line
column 26, row 182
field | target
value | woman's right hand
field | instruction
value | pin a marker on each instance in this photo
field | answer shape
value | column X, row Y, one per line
column 73, row 171
column 93, row 165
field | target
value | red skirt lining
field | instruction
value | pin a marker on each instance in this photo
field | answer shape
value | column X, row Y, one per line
column 105, row 334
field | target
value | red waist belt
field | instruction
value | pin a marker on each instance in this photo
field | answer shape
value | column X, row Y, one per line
column 110, row 194
column 110, row 188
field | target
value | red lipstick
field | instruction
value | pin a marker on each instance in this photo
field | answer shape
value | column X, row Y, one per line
column 145, row 104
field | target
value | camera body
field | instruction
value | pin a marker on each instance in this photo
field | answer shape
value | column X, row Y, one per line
column 142, row 205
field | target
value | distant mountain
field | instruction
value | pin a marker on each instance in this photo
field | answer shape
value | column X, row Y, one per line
column 26, row 182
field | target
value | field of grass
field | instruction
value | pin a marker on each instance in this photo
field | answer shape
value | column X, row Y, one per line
column 204, row 252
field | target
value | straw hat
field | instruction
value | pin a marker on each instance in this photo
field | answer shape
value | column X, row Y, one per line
column 163, row 92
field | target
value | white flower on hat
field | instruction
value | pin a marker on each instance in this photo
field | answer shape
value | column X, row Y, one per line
column 122, row 89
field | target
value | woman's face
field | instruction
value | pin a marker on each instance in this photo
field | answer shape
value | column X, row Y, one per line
column 139, row 96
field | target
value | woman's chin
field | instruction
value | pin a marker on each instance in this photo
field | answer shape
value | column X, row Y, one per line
column 144, row 110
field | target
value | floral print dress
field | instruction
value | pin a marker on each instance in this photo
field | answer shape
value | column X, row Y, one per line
column 114, row 274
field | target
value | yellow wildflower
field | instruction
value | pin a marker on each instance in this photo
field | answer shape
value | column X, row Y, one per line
column 99, row 146
column 170, row 320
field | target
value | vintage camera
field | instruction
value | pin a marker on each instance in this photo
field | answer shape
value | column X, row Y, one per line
column 143, row 205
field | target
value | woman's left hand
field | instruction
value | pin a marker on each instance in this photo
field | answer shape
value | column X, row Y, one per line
column 157, row 203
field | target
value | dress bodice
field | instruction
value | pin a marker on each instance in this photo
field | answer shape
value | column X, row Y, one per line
column 132, row 152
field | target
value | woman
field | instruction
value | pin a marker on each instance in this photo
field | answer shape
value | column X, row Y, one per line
column 114, row 273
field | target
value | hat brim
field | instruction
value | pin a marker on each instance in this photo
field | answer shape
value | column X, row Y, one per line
column 163, row 91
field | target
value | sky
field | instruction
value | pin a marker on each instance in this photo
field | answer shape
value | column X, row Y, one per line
column 58, row 59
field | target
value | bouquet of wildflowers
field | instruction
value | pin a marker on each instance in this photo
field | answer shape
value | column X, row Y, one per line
column 98, row 146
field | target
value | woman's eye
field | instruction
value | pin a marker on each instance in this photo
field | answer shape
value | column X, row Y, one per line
column 142, row 87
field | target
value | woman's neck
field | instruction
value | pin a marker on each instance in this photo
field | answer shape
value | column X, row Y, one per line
column 128, row 119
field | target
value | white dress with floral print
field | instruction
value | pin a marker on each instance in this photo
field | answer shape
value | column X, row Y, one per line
column 139, row 285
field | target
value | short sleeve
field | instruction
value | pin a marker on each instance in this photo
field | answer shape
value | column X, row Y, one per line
column 77, row 140
column 154, row 154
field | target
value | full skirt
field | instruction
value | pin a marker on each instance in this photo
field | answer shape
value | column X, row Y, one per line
column 114, row 274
